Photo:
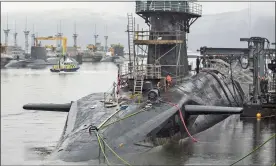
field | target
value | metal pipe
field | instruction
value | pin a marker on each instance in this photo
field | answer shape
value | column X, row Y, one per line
column 203, row 110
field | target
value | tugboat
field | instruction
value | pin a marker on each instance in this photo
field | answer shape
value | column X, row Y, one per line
column 66, row 64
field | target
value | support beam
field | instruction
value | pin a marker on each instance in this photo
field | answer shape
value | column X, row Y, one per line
column 166, row 53
column 223, row 51
column 229, row 51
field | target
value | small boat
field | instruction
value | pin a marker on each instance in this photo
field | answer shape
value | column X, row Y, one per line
column 66, row 65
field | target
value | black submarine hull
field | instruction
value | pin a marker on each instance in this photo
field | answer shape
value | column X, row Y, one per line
column 152, row 127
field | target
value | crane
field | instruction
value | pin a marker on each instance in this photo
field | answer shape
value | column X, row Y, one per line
column 64, row 41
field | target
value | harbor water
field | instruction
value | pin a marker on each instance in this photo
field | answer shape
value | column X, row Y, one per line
column 28, row 137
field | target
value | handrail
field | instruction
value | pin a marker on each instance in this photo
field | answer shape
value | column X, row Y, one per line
column 153, row 35
column 169, row 6
column 146, row 70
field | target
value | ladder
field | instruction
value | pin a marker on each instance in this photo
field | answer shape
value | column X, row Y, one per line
column 130, row 33
column 138, row 82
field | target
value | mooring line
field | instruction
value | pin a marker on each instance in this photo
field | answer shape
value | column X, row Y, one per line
column 255, row 149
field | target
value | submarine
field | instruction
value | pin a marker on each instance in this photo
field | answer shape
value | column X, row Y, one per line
column 143, row 110
column 36, row 61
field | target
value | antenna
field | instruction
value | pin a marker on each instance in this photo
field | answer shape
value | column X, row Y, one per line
column 26, row 23
column 60, row 26
column 7, row 20
column 75, row 27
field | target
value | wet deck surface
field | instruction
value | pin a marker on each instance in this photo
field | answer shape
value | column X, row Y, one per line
column 29, row 136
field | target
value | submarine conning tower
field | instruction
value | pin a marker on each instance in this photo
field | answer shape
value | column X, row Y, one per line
column 168, row 21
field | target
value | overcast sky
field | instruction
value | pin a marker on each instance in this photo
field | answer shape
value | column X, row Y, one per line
column 122, row 8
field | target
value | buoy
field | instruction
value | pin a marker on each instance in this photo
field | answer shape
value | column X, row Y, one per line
column 121, row 145
column 258, row 115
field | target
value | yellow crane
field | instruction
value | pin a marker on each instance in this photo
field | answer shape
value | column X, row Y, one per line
column 63, row 39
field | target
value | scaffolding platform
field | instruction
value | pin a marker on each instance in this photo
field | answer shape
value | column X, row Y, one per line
column 153, row 42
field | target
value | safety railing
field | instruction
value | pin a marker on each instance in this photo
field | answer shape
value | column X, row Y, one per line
column 149, row 71
column 272, row 86
column 169, row 6
column 124, row 70
column 157, row 35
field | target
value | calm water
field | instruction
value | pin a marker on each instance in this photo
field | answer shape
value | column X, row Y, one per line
column 29, row 136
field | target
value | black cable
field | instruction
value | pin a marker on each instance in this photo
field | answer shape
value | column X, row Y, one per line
column 230, row 92
column 240, row 93
column 220, row 86
column 231, row 70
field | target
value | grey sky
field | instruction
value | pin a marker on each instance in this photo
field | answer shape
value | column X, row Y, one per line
column 123, row 7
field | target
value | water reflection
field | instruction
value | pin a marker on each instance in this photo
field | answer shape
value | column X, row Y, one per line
column 223, row 144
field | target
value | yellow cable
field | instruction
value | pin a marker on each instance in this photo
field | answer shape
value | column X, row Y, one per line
column 255, row 149
column 98, row 136
column 114, row 152
column 130, row 115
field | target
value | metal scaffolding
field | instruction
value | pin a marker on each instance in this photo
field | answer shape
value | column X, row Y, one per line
column 164, row 44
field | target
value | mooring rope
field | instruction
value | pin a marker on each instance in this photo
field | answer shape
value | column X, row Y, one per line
column 124, row 161
column 255, row 149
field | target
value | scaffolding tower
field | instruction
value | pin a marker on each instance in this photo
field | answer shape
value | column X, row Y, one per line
column 164, row 42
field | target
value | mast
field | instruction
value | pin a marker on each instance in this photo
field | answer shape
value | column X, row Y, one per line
column 95, row 35
column 33, row 37
column 75, row 35
column 6, row 31
column 26, row 32
column 15, row 35
column 105, row 37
